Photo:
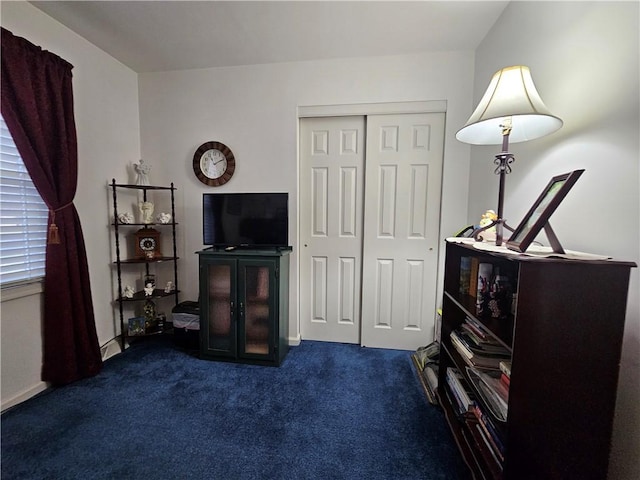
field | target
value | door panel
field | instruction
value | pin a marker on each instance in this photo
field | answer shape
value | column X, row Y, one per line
column 256, row 283
column 219, row 280
column 331, row 190
column 401, row 229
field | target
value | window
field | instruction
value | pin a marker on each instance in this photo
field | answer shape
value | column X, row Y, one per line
column 23, row 218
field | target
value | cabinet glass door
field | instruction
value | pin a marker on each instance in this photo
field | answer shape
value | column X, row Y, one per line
column 257, row 307
column 221, row 334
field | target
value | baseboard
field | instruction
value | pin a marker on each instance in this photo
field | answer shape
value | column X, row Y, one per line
column 107, row 351
column 294, row 341
column 24, row 395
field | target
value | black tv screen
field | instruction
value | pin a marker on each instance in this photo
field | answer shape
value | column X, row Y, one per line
column 245, row 219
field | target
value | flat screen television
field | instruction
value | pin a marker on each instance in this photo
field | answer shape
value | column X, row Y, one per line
column 255, row 220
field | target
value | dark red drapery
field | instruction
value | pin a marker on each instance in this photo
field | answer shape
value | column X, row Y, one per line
column 37, row 105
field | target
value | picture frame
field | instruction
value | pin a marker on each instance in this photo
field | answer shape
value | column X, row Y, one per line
column 136, row 326
column 537, row 218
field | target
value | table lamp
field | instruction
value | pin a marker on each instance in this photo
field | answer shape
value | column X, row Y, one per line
column 510, row 110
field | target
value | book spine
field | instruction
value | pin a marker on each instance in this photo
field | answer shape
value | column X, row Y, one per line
column 505, row 367
column 465, row 275
column 473, row 277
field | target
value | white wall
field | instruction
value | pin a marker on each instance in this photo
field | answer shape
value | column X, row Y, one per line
column 584, row 60
column 253, row 110
column 106, row 114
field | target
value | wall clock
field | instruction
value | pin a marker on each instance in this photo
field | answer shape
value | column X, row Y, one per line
column 214, row 163
column 147, row 243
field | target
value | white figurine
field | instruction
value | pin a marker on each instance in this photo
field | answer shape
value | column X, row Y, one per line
column 125, row 218
column 146, row 212
column 128, row 291
column 169, row 287
column 142, row 169
column 163, row 218
column 148, row 289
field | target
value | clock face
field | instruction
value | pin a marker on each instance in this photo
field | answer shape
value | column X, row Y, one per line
column 147, row 244
column 214, row 163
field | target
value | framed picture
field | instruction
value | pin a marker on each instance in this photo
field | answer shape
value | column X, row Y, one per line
column 136, row 326
column 537, row 218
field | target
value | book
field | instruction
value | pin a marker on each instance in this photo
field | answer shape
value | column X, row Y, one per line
column 479, row 329
column 462, row 397
column 482, row 442
column 494, row 395
column 473, row 277
column 473, row 357
column 465, row 275
column 487, row 345
column 428, row 376
column 491, row 431
column 505, row 367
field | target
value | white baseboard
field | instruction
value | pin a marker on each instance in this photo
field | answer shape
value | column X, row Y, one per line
column 107, row 351
column 294, row 341
column 24, row 395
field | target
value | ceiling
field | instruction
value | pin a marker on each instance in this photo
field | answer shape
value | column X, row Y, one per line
column 151, row 36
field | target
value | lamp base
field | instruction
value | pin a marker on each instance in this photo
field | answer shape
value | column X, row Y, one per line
column 500, row 224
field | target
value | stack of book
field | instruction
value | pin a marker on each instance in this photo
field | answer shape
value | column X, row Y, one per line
column 479, row 427
column 425, row 359
column 462, row 396
column 487, row 440
column 493, row 392
column 476, row 347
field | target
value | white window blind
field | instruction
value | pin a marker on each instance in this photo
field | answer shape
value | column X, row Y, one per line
column 23, row 218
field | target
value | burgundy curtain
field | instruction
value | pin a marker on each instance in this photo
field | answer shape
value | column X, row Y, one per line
column 37, row 105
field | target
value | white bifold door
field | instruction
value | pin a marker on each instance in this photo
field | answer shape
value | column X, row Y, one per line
column 369, row 216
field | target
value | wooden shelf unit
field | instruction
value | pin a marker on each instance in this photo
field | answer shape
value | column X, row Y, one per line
column 565, row 338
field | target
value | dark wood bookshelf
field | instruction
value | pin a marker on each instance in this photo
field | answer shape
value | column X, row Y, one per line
column 564, row 336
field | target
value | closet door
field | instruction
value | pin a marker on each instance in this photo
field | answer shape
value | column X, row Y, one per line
column 331, row 199
column 401, row 229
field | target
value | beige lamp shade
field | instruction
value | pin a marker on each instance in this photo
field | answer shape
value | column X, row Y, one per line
column 511, row 94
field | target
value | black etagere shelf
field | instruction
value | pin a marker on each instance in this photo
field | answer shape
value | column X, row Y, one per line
column 121, row 230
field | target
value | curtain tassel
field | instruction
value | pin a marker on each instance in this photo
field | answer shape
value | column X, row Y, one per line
column 54, row 236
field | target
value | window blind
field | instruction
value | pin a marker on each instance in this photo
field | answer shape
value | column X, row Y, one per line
column 23, row 218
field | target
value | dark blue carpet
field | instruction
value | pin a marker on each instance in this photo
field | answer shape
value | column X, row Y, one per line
column 331, row 411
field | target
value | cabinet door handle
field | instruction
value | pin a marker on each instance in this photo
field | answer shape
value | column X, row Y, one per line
column 241, row 309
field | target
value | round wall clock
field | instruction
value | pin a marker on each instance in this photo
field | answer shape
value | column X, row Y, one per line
column 214, row 163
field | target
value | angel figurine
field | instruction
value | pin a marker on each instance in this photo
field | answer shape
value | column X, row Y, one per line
column 125, row 218
column 128, row 291
column 148, row 289
column 146, row 212
column 142, row 169
column 163, row 217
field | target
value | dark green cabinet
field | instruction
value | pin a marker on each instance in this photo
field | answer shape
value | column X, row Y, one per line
column 244, row 301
